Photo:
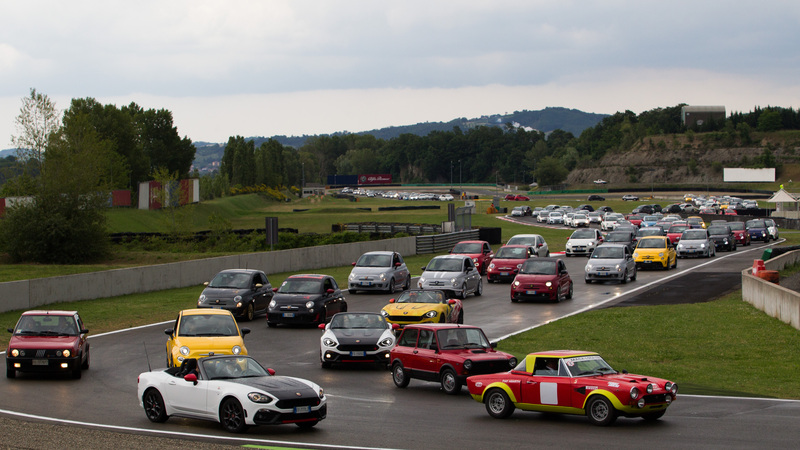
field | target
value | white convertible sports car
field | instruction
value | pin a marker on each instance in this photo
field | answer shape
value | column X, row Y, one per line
column 236, row 391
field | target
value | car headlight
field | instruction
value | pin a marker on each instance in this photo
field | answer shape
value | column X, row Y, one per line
column 430, row 314
column 634, row 393
column 202, row 298
column 515, row 283
column 491, row 265
column 661, row 254
column 421, row 281
column 236, row 350
column 635, row 255
column 273, row 304
column 309, row 304
column 549, row 283
column 454, row 282
column 352, row 276
column 328, row 342
column 618, row 267
column 702, row 245
column 384, row 313
column 184, row 350
column 321, row 393
column 388, row 342
column 383, row 277
column 258, row 397
column 66, row 353
column 15, row 352
column 588, row 267
column 680, row 245
column 649, row 388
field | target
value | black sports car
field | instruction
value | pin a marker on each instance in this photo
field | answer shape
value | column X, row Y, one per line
column 243, row 292
column 306, row 299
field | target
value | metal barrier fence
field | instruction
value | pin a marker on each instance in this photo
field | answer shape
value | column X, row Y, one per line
column 392, row 228
column 439, row 242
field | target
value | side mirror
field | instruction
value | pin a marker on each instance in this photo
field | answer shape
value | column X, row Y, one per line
column 353, row 263
column 423, row 268
column 321, row 326
column 271, row 371
column 84, row 331
column 329, row 291
column 244, row 331
column 395, row 326
column 10, row 330
column 205, row 283
column 258, row 286
column 451, row 301
column 397, row 264
column 391, row 300
column 190, row 377
column 274, row 289
column 168, row 331
column 493, row 344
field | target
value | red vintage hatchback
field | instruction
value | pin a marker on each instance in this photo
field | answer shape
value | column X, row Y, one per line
column 542, row 279
column 447, row 354
column 48, row 341
column 507, row 261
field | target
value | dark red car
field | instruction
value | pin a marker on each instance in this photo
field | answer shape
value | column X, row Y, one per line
column 542, row 279
column 479, row 251
column 48, row 341
column 740, row 233
column 675, row 231
column 447, row 354
column 507, row 261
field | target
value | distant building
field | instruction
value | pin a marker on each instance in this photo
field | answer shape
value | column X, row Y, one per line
column 694, row 117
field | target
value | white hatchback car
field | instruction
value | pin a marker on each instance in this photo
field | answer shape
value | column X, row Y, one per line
column 534, row 240
column 583, row 241
column 455, row 274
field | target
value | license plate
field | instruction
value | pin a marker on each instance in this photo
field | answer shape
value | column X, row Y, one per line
column 603, row 274
column 39, row 362
column 302, row 409
column 530, row 292
column 288, row 314
column 647, row 261
column 505, row 274
column 366, row 283
column 357, row 353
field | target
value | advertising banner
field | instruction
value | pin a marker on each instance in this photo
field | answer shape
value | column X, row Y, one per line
column 374, row 179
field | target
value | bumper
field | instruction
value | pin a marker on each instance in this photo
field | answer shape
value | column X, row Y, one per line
column 534, row 295
column 501, row 276
column 356, row 356
column 290, row 317
column 277, row 417
column 238, row 312
column 604, row 275
column 649, row 263
column 368, row 285
column 693, row 253
column 42, row 365
column 584, row 251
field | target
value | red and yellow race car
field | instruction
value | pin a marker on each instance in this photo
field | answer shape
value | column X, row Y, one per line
column 572, row 382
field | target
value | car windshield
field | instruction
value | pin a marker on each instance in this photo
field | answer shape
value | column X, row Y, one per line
column 207, row 325
column 522, row 240
column 618, row 237
column 511, row 253
column 232, row 280
column 374, row 261
column 358, row 320
column 676, row 229
column 650, row 218
column 232, row 367
column 649, row 232
column 444, row 265
column 718, row 230
column 538, row 267
column 736, row 225
column 582, row 366
column 583, row 234
column 46, row 325
column 651, row 243
column 756, row 224
column 693, row 235
column 467, row 247
column 608, row 253
column 454, row 338
column 421, row 297
column 300, row 286
column 579, row 216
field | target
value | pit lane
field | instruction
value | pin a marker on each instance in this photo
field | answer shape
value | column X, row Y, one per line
column 367, row 410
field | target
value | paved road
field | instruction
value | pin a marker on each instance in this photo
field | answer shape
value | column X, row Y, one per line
column 367, row 410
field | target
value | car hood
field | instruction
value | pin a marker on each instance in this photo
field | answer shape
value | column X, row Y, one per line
column 477, row 354
column 292, row 299
column 392, row 308
column 508, row 262
column 437, row 275
column 43, row 342
column 205, row 344
column 531, row 278
column 283, row 388
column 693, row 241
column 362, row 271
column 605, row 261
column 366, row 334
column 580, row 241
column 213, row 293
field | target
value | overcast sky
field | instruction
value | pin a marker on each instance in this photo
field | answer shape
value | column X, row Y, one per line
column 261, row 68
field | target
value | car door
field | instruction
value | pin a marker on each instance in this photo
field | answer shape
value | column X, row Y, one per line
column 262, row 295
column 473, row 277
column 546, row 388
column 186, row 397
column 400, row 270
column 426, row 356
column 333, row 299
column 563, row 279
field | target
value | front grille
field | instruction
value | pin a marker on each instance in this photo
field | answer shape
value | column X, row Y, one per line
column 295, row 402
column 436, row 283
column 357, row 347
column 655, row 398
column 405, row 318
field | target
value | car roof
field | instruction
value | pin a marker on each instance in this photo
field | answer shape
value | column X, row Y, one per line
column 57, row 312
column 239, row 271
column 563, row 353
column 452, row 256
column 308, row 275
column 652, row 237
column 205, row 312
column 379, row 252
column 439, row 326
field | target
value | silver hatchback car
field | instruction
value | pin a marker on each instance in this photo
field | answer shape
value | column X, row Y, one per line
column 695, row 242
column 610, row 262
column 379, row 271
column 455, row 274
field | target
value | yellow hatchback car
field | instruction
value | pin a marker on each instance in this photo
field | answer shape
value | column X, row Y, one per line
column 655, row 251
column 204, row 332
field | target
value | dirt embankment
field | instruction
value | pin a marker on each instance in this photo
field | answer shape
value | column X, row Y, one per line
column 677, row 159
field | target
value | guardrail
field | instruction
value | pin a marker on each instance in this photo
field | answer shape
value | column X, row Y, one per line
column 773, row 299
column 440, row 242
column 392, row 228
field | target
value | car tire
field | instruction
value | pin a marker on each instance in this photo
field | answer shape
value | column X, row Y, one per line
column 463, row 294
column 391, row 288
column 460, row 317
column 399, row 375
column 11, row 372
column 633, row 277
column 624, row 277
column 325, row 364
column 154, row 407
column 600, row 411
column 231, row 416
column 450, row 384
column 271, row 324
column 249, row 312
column 323, row 316
column 85, row 364
column 569, row 293
column 498, row 405
column 479, row 288
column 307, row 425
column 588, row 281
column 352, row 291
column 408, row 283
